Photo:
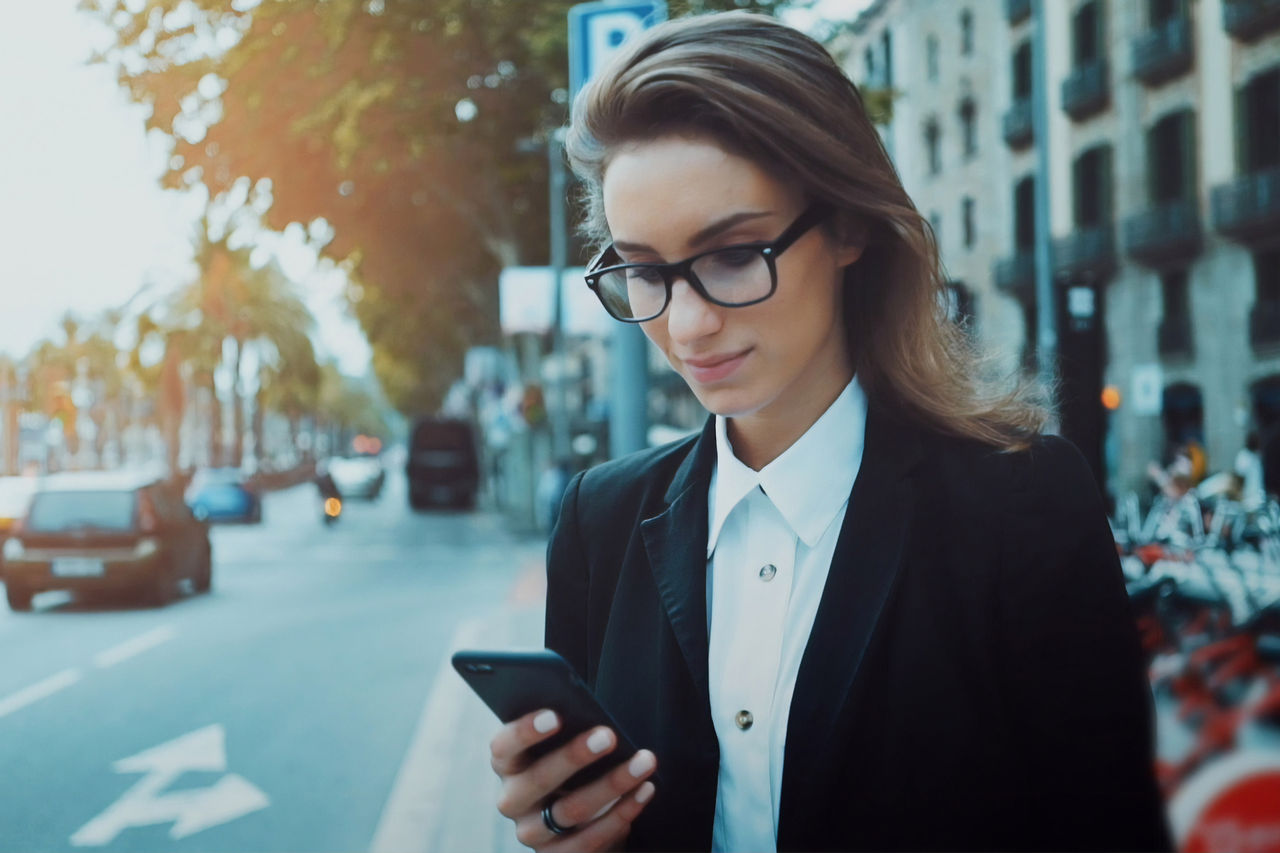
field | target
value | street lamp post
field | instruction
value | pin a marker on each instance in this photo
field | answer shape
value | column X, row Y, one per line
column 558, row 413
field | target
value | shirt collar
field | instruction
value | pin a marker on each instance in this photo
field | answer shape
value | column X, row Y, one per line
column 809, row 483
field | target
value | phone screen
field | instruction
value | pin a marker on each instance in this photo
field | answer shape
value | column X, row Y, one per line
column 513, row 684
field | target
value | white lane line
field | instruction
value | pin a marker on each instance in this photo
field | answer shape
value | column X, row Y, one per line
column 411, row 818
column 136, row 646
column 39, row 690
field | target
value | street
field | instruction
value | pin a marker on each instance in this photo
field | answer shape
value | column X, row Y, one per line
column 304, row 704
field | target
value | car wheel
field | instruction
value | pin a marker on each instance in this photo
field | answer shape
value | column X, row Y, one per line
column 19, row 597
column 204, row 577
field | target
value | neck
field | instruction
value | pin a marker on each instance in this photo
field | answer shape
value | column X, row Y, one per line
column 764, row 435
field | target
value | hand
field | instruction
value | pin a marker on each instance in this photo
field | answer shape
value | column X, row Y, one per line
column 600, row 812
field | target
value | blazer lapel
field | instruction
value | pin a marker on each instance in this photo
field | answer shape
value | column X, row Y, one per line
column 862, row 574
column 676, row 543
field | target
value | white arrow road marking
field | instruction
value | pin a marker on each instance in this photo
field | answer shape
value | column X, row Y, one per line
column 39, row 690
column 190, row 811
column 136, row 646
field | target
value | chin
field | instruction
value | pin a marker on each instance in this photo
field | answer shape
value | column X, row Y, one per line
column 727, row 402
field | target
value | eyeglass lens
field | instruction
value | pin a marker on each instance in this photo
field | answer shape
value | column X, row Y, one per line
column 734, row 276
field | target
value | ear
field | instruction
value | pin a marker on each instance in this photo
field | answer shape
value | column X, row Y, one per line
column 851, row 239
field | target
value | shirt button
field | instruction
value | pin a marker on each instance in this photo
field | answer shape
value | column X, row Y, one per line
column 767, row 573
column 744, row 720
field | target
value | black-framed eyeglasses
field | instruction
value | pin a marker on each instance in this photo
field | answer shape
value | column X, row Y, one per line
column 730, row 276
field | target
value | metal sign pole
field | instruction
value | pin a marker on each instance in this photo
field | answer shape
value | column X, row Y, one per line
column 596, row 30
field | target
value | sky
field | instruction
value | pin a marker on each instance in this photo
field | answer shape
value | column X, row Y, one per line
column 83, row 222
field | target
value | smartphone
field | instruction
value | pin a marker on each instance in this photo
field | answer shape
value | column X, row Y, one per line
column 513, row 684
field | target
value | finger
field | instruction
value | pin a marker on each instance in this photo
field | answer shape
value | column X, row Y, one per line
column 592, row 801
column 506, row 750
column 524, row 791
column 610, row 829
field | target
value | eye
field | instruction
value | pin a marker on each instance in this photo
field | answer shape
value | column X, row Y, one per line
column 645, row 274
column 735, row 257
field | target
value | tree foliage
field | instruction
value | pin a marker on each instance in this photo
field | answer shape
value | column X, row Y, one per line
column 398, row 122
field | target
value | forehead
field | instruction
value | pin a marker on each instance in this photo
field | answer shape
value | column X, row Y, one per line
column 675, row 185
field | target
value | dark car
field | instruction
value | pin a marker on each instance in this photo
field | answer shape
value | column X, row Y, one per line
column 443, row 467
column 106, row 532
column 222, row 495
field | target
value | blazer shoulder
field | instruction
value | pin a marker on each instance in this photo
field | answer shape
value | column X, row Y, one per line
column 1049, row 474
column 632, row 480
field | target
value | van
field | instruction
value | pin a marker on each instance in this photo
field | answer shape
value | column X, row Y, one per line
column 443, row 465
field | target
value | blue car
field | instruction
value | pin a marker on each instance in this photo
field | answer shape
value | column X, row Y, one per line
column 220, row 495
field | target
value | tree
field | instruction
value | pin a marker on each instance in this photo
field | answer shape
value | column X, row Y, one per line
column 395, row 121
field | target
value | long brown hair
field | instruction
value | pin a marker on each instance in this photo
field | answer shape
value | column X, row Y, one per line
column 766, row 91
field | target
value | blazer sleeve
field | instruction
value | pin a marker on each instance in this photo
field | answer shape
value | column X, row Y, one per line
column 1074, row 673
column 568, row 584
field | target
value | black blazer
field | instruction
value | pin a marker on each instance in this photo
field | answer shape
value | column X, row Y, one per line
column 973, row 679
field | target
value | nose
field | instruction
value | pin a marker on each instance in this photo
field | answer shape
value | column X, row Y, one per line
column 689, row 316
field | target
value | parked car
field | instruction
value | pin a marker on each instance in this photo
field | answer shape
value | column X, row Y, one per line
column 102, row 531
column 358, row 476
column 15, row 496
column 443, row 465
column 221, row 495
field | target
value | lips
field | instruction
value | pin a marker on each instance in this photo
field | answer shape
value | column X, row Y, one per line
column 714, row 368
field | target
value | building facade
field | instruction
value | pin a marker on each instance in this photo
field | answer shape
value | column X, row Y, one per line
column 1163, row 145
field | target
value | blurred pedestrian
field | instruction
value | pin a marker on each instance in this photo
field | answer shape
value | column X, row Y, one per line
column 1248, row 470
column 869, row 606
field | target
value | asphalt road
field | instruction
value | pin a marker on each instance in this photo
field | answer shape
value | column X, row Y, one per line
column 284, row 710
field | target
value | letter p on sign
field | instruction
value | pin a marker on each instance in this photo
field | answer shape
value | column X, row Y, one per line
column 597, row 30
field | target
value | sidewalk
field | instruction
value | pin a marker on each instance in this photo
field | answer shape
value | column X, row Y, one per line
column 445, row 795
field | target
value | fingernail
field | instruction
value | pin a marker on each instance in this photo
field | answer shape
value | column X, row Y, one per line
column 645, row 793
column 545, row 722
column 600, row 740
column 641, row 763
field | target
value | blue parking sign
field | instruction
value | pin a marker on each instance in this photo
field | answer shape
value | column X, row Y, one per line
column 598, row 29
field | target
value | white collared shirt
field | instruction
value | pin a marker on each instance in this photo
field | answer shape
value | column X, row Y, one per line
column 771, row 536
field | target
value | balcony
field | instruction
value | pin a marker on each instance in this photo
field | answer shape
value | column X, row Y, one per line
column 1264, row 325
column 1163, row 52
column 1086, row 92
column 1165, row 236
column 1088, row 251
column 1249, row 20
column 1018, row 127
column 1248, row 209
column 1016, row 276
column 1017, row 10
column 1173, row 337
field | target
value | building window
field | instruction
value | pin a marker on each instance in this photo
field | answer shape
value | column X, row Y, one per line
column 932, row 143
column 966, row 209
column 1258, row 108
column 969, row 127
column 886, row 57
column 1266, row 275
column 1177, row 304
column 1091, row 183
column 966, row 33
column 870, row 56
column 1162, row 11
column 1171, row 158
column 1022, row 71
column 1024, row 215
column 1087, row 29
column 931, row 57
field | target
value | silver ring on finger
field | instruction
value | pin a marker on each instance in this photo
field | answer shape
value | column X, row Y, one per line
column 550, row 822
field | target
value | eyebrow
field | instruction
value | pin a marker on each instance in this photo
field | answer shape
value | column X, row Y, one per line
column 717, row 227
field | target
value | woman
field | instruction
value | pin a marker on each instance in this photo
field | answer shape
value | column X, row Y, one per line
column 869, row 607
